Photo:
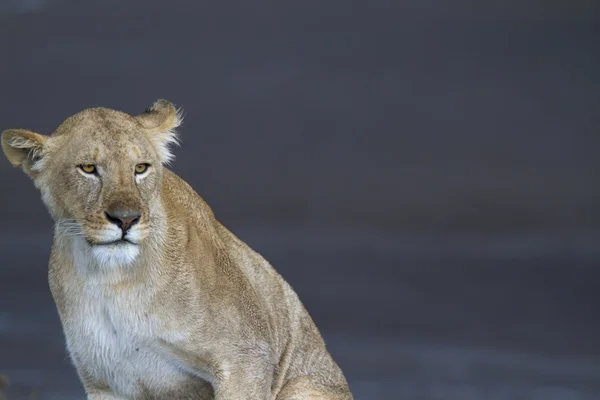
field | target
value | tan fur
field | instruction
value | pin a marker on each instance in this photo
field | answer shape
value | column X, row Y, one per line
column 186, row 310
column 3, row 385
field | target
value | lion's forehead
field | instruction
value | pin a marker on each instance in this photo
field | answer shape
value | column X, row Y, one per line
column 103, row 151
column 97, row 120
column 96, row 147
column 100, row 124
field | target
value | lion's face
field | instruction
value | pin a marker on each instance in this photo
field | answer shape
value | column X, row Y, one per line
column 100, row 175
column 104, row 180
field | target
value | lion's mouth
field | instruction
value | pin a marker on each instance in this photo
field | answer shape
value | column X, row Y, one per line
column 120, row 242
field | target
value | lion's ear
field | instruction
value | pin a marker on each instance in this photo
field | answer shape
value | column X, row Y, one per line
column 24, row 149
column 161, row 120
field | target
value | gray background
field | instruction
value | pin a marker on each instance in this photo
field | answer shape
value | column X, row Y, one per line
column 424, row 174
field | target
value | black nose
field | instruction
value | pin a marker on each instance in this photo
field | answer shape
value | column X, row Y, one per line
column 124, row 219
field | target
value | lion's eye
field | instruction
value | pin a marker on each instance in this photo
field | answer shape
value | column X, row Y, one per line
column 141, row 168
column 88, row 168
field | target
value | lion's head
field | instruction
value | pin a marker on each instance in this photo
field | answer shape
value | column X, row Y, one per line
column 100, row 174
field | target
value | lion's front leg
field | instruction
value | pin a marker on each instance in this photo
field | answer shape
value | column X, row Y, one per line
column 102, row 395
column 244, row 382
column 242, row 389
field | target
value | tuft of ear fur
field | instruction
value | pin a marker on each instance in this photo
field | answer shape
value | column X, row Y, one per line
column 24, row 149
column 161, row 120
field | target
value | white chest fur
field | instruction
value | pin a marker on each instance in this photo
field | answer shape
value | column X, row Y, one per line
column 114, row 338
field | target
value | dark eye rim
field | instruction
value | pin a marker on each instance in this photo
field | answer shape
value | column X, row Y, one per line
column 94, row 172
column 146, row 167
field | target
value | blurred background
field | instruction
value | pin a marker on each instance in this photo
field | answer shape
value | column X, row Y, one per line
column 424, row 173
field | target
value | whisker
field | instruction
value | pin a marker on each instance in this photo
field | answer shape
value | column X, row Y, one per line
column 67, row 228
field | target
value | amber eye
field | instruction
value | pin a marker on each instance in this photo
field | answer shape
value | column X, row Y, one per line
column 88, row 168
column 141, row 168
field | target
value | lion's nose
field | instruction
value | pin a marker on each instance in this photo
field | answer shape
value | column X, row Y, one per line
column 124, row 219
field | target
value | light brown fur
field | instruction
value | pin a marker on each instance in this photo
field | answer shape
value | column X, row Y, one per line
column 184, row 311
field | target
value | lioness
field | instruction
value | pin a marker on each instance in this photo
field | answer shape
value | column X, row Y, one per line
column 157, row 299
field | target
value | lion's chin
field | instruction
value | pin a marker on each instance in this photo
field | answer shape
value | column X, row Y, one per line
column 116, row 253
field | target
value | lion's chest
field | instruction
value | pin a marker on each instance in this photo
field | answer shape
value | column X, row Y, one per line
column 114, row 339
